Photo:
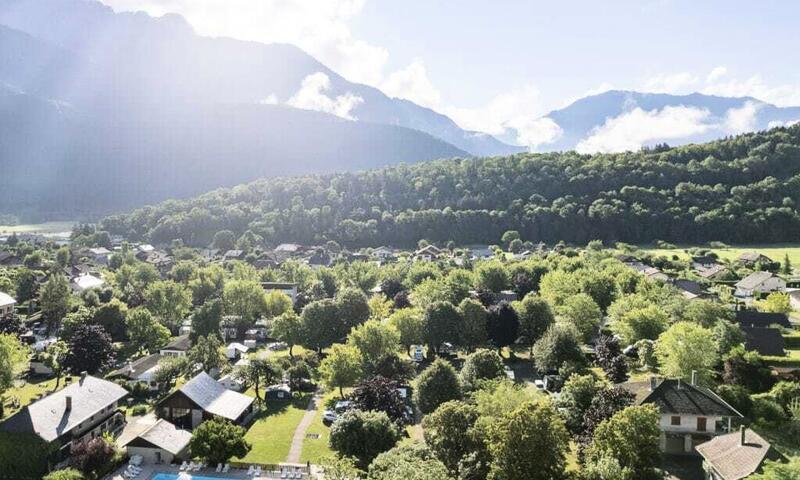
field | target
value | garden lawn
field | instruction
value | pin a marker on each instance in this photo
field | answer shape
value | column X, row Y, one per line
column 775, row 251
column 272, row 430
column 315, row 449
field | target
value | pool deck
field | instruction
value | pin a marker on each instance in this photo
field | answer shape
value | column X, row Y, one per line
column 150, row 471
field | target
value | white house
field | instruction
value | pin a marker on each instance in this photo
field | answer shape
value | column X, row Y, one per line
column 235, row 350
column 86, row 282
column 142, row 371
column 99, row 255
column 178, row 347
column 759, row 282
column 7, row 304
column 428, row 253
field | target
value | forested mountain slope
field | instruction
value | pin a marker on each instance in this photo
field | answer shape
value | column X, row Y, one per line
column 741, row 189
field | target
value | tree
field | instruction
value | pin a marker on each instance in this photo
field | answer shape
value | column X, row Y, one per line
column 363, row 435
column 604, row 405
column 206, row 319
column 65, row 474
column 91, row 455
column 26, row 285
column 441, row 324
column 706, row 313
column 502, row 325
column 576, row 397
column 375, row 341
column 336, row 468
column 54, row 299
column 686, row 347
column 217, row 441
column 224, row 240
column 395, row 368
column 407, row 462
column 207, row 353
column 535, row 317
column 776, row 470
column 776, row 302
column 380, row 307
column 530, row 443
column 451, row 433
column 321, row 324
column 786, row 266
column 556, row 286
column 259, row 371
column 509, row 236
column 111, row 316
column 604, row 468
column 276, row 303
column 632, row 437
column 353, row 307
column 473, row 323
column 582, row 312
column 54, row 357
column 243, row 299
column 481, row 365
column 727, row 335
column 748, row 369
column 169, row 370
column 610, row 358
column 90, row 349
column 491, row 276
column 381, row 395
column 436, row 384
column 641, row 323
column 341, row 367
column 169, row 301
column 410, row 325
column 13, row 361
column 288, row 328
column 558, row 345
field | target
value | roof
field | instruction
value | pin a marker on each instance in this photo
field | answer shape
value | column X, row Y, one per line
column 181, row 343
column 6, row 300
column 238, row 346
column 87, row 281
column 234, row 253
column 751, row 318
column 734, row 460
column 753, row 257
column 287, row 247
column 689, row 288
column 278, row 285
column 146, row 248
column 709, row 272
column 674, row 396
column 166, row 436
column 99, row 251
column 214, row 398
column 429, row 249
column 765, row 341
column 134, row 369
column 49, row 417
column 754, row 279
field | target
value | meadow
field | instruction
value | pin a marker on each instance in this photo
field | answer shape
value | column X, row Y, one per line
column 775, row 251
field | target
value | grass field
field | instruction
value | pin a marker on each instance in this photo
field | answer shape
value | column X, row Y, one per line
column 775, row 251
column 315, row 449
column 272, row 431
column 47, row 227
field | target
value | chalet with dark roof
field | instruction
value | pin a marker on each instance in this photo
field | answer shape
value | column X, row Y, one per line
column 178, row 347
column 751, row 259
column 201, row 399
column 753, row 319
column 736, row 455
column 690, row 413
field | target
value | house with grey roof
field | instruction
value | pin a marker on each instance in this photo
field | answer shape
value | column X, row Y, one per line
column 203, row 398
column 7, row 303
column 87, row 408
column 759, row 282
column 177, row 347
column 162, row 442
column 751, row 259
column 735, row 455
column 142, row 370
column 690, row 414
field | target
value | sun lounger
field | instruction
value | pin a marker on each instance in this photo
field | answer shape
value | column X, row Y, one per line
column 184, row 465
column 226, row 468
column 250, row 471
column 258, row 471
column 219, row 467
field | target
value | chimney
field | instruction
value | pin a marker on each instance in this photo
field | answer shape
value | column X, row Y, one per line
column 742, row 431
column 69, row 402
column 679, row 384
column 694, row 377
column 653, row 383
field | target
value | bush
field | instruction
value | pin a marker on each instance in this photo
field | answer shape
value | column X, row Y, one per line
column 767, row 411
column 138, row 410
column 67, row 474
column 363, row 435
column 738, row 397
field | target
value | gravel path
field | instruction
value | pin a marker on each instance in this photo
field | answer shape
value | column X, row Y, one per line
column 300, row 431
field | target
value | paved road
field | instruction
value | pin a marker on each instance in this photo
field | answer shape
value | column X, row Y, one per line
column 300, row 431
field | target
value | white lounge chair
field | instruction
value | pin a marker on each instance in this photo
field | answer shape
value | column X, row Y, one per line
column 226, row 468
column 250, row 471
column 258, row 471
column 283, row 474
column 198, row 466
column 219, row 467
column 184, row 465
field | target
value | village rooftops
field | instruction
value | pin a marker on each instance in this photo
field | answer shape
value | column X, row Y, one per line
column 136, row 368
column 673, row 396
column 62, row 411
column 165, row 436
column 765, row 341
column 736, row 455
column 86, row 282
column 181, row 344
column 753, row 280
column 214, row 398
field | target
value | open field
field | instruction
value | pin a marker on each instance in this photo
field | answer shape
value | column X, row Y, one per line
column 315, row 449
column 47, row 227
column 775, row 251
column 272, row 431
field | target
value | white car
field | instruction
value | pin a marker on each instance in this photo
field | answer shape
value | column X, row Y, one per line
column 539, row 384
column 329, row 416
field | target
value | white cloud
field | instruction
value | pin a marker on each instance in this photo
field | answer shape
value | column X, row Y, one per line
column 412, row 83
column 633, row 129
column 535, row 132
column 670, row 83
column 778, row 123
column 742, row 119
column 313, row 96
column 716, row 74
column 755, row 86
column 272, row 99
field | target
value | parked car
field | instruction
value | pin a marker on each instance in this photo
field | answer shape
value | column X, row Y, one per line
column 329, row 416
column 539, row 384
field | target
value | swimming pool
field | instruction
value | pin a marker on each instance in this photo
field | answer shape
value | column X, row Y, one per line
column 184, row 476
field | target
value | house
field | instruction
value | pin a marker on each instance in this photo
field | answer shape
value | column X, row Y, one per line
column 8, row 259
column 794, row 298
column 690, row 414
column 479, row 252
column 288, row 288
column 228, row 327
column 143, row 251
column 203, row 398
column 655, row 274
column 754, row 319
column 235, row 350
column 735, row 455
column 765, row 341
column 231, row 255
column 231, row 382
column 690, row 289
column 712, row 272
column 288, row 248
column 186, row 327
column 428, row 253
column 178, row 347
column 759, row 282
column 319, row 258
column 162, row 442
column 278, row 392
column 704, row 261
column 751, row 259
column 86, row 282
column 384, row 254
column 99, row 255
column 507, row 296
column 7, row 304
column 85, row 409
column 142, row 370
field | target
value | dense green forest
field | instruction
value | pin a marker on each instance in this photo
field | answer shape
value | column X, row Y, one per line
column 740, row 189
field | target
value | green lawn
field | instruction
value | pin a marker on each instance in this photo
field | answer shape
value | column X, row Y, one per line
column 28, row 392
column 775, row 251
column 47, row 227
column 315, row 449
column 272, row 431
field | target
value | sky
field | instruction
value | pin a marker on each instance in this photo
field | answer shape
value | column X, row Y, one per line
column 491, row 64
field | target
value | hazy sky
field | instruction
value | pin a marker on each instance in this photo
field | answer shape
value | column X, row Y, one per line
column 488, row 62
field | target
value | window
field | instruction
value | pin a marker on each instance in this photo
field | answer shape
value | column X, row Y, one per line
column 676, row 420
column 701, row 424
